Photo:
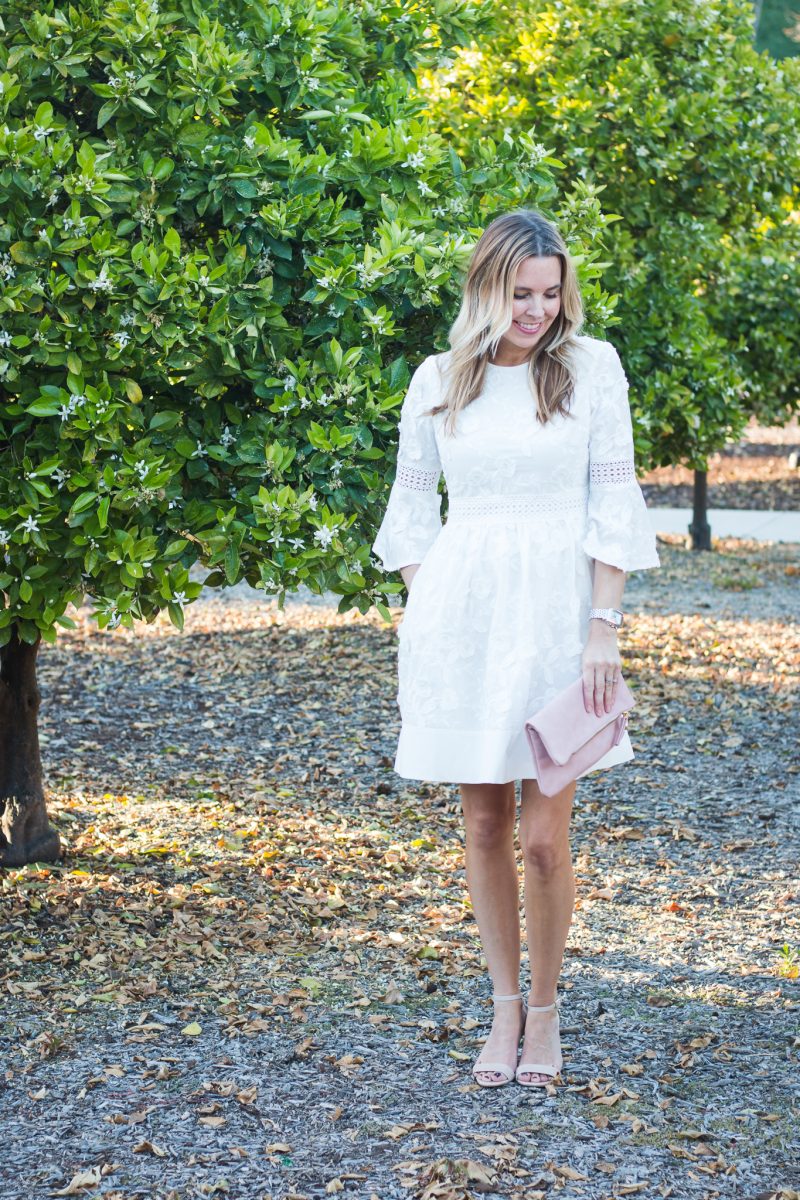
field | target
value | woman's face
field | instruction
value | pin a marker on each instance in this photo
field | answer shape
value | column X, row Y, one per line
column 537, row 302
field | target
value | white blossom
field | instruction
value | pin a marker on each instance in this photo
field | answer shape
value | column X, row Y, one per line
column 5, row 338
column 324, row 536
column 121, row 338
column 263, row 265
column 102, row 283
column 30, row 525
column 249, row 141
column 179, row 598
column 297, row 543
column 312, row 501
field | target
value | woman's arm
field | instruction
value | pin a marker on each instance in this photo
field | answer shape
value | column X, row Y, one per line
column 408, row 574
column 601, row 659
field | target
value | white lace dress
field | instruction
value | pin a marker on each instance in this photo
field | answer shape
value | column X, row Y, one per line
column 497, row 615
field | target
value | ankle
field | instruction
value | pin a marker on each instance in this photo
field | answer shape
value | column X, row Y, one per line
column 541, row 1000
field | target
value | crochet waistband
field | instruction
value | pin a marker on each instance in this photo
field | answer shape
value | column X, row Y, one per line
column 568, row 502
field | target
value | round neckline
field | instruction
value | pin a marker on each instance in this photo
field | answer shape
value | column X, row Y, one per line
column 508, row 367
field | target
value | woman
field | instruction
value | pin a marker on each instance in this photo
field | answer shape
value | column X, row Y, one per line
column 516, row 596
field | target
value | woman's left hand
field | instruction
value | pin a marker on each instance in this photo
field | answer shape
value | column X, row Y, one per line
column 601, row 668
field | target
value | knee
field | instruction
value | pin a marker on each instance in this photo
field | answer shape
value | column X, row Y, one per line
column 545, row 856
column 489, row 829
column 489, row 826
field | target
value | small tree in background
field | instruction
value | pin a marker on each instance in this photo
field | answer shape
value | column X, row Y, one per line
column 226, row 232
column 694, row 138
column 756, row 299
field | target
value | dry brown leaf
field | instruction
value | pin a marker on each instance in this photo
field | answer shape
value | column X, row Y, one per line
column 83, row 1179
column 569, row 1173
column 605, row 893
column 149, row 1148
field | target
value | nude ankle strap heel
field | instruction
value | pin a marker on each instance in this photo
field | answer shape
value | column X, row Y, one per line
column 504, row 1069
column 541, row 1068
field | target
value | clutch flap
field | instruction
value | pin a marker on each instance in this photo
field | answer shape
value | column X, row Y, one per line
column 564, row 725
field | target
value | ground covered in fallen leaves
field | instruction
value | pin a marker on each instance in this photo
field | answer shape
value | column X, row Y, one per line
column 256, row 974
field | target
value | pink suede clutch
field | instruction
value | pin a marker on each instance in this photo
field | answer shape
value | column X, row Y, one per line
column 565, row 740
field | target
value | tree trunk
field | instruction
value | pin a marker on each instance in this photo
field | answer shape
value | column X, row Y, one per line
column 26, row 834
column 700, row 528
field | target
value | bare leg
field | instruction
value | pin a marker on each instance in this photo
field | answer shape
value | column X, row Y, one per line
column 491, row 868
column 549, row 904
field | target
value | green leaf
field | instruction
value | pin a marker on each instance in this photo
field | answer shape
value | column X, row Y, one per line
column 84, row 501
column 232, row 562
column 145, row 108
column 106, row 112
column 44, row 407
column 102, row 511
column 163, row 169
column 44, row 114
column 172, row 240
column 165, row 420
column 245, row 187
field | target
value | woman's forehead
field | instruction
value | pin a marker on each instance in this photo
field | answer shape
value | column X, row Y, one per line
column 538, row 273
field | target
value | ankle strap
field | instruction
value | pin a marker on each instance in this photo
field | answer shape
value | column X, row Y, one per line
column 516, row 996
column 541, row 1007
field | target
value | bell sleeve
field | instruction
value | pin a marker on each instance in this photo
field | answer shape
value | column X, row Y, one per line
column 619, row 531
column 412, row 519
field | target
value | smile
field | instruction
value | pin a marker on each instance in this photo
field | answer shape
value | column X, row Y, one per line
column 528, row 328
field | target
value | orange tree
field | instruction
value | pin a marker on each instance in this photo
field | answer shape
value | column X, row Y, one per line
column 694, row 138
column 225, row 230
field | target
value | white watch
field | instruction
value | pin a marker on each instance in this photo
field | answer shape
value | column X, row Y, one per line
column 611, row 616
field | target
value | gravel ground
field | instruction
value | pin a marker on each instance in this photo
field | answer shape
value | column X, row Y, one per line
column 255, row 974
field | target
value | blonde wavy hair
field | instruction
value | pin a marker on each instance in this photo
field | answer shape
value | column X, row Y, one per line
column 486, row 314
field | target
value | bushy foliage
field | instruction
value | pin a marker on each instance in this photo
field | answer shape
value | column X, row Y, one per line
column 756, row 301
column 694, row 138
column 227, row 235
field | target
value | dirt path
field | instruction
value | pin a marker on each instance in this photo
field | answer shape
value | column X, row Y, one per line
column 256, row 973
